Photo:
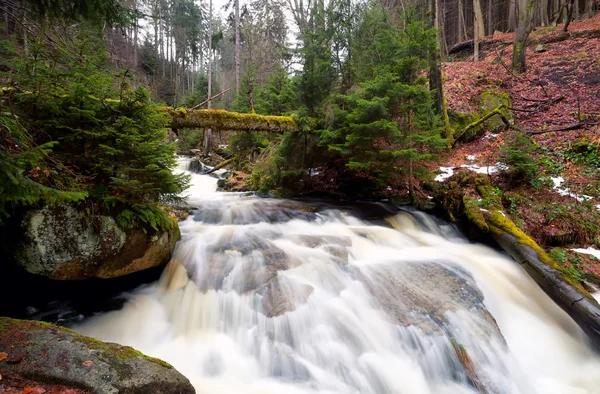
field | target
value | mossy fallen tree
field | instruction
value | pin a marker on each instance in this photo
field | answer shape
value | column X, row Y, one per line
column 472, row 195
column 218, row 119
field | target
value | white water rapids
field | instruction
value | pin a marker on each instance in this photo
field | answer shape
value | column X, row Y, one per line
column 282, row 300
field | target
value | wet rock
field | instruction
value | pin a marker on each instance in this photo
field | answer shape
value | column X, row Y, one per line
column 422, row 294
column 242, row 263
column 62, row 242
column 45, row 354
column 281, row 295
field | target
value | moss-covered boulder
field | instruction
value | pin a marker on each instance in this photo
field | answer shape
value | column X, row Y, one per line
column 62, row 242
column 41, row 354
column 491, row 100
column 459, row 122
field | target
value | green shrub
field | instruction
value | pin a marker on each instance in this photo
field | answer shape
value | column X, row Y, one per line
column 517, row 154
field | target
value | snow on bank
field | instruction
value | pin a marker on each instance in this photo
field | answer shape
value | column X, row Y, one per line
column 558, row 181
column 447, row 172
column 592, row 251
column 485, row 170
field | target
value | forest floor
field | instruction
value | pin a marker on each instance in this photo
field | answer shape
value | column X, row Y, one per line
column 561, row 88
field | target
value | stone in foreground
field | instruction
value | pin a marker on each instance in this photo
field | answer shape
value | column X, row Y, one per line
column 46, row 355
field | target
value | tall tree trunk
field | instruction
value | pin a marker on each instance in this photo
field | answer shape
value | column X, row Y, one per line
column 490, row 21
column 544, row 19
column 478, row 27
column 208, row 132
column 525, row 8
column 569, row 7
column 559, row 10
column 237, row 46
column 135, row 37
column 435, row 72
column 589, row 8
column 512, row 15
column 462, row 26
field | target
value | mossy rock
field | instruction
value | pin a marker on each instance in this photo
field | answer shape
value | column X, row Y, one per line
column 62, row 242
column 491, row 100
column 459, row 121
column 48, row 354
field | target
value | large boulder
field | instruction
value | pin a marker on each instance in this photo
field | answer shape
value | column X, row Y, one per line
column 43, row 356
column 62, row 242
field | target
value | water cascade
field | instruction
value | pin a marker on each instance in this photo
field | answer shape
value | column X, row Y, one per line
column 269, row 296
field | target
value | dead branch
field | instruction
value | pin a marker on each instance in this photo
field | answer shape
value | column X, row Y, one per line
column 219, row 166
column 211, row 98
column 575, row 126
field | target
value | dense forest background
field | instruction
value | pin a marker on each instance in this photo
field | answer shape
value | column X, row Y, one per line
column 82, row 84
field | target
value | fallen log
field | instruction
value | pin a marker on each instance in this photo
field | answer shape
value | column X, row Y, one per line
column 218, row 119
column 569, row 295
column 219, row 166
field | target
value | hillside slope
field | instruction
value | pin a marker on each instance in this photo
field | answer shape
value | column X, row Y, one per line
column 560, row 209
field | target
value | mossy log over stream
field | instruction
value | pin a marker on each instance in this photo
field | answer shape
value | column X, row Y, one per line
column 226, row 120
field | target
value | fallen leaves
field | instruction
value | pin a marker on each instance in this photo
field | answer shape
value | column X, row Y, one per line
column 87, row 363
column 3, row 356
column 33, row 390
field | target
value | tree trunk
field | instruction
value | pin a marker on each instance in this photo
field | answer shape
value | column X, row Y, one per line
column 569, row 5
column 478, row 27
column 135, row 37
column 544, row 20
column 490, row 21
column 589, row 8
column 208, row 131
column 512, row 15
column 525, row 8
column 462, row 26
column 237, row 46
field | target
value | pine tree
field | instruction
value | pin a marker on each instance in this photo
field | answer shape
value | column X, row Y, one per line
column 387, row 126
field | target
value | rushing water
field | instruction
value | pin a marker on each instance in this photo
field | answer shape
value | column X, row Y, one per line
column 266, row 296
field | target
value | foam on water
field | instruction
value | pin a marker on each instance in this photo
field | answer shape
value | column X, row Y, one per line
column 265, row 296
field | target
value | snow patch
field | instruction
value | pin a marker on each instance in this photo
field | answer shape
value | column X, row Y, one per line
column 447, row 172
column 592, row 251
column 558, row 181
column 485, row 170
column 471, row 157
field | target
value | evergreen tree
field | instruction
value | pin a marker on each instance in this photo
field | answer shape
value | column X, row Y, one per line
column 103, row 137
column 386, row 126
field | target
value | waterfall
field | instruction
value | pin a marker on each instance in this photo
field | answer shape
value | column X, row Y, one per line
column 271, row 296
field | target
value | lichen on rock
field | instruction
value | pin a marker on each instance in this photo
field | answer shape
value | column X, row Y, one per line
column 48, row 354
column 62, row 242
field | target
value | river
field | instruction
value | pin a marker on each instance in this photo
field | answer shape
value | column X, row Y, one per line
column 269, row 296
